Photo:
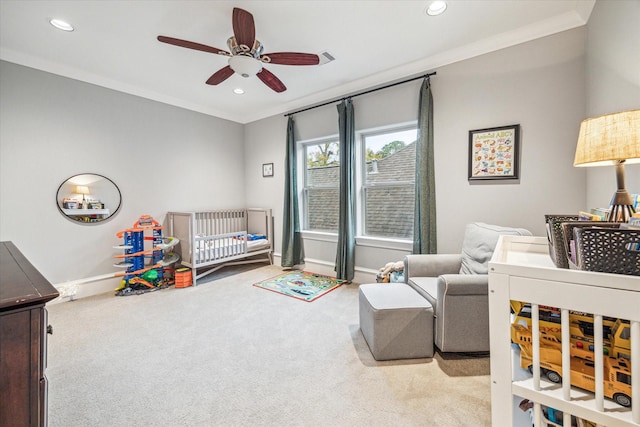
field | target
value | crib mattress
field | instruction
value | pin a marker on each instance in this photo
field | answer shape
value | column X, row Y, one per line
column 224, row 248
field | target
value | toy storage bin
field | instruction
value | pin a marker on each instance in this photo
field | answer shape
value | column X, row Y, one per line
column 183, row 278
column 568, row 237
column 608, row 250
column 557, row 247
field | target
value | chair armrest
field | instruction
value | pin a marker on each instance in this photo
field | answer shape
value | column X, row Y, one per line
column 431, row 265
column 462, row 313
column 463, row 284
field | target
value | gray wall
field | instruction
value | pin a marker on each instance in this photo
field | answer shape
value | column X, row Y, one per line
column 161, row 157
column 613, row 82
column 165, row 158
column 539, row 84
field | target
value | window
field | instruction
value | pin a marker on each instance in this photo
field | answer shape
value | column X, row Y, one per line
column 321, row 185
column 385, row 187
column 389, row 183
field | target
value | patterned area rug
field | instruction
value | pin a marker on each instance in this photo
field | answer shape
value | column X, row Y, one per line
column 301, row 285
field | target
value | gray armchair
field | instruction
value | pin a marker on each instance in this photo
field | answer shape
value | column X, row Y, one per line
column 456, row 285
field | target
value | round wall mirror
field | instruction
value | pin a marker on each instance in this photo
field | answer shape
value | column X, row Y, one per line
column 88, row 198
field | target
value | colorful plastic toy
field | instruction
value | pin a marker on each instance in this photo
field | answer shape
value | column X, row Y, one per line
column 617, row 370
column 146, row 267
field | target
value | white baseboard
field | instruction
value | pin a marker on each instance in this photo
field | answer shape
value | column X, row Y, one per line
column 88, row 287
column 362, row 275
column 97, row 285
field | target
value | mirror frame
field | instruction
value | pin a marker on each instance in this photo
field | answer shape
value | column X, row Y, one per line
column 60, row 197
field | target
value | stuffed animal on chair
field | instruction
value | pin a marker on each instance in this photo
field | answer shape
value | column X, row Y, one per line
column 390, row 267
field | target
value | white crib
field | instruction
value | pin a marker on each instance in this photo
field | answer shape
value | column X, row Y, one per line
column 210, row 240
column 522, row 270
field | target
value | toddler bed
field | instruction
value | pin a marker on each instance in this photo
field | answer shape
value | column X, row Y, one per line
column 210, row 240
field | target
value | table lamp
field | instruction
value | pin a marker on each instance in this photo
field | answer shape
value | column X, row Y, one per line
column 612, row 139
column 82, row 189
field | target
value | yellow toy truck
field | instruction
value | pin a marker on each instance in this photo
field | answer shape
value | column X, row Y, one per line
column 617, row 375
column 616, row 332
column 617, row 370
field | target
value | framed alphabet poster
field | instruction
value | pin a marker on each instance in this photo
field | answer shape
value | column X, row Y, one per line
column 493, row 153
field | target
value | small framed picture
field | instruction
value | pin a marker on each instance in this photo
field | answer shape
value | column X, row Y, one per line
column 267, row 169
column 494, row 152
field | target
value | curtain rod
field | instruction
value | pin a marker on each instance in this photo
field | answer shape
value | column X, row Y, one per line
column 362, row 93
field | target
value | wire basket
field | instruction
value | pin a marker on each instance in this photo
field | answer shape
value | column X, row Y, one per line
column 555, row 235
column 608, row 250
column 569, row 240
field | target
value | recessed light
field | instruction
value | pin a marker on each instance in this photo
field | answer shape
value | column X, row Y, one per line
column 238, row 91
column 436, row 7
column 61, row 25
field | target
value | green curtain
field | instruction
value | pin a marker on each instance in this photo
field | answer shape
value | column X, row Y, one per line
column 345, row 258
column 424, row 225
column 292, row 244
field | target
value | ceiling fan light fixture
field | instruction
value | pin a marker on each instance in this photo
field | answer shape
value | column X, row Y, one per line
column 436, row 7
column 246, row 66
column 61, row 25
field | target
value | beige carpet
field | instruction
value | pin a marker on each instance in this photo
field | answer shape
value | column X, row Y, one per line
column 226, row 353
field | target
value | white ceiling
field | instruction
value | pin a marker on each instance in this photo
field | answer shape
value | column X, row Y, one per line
column 374, row 43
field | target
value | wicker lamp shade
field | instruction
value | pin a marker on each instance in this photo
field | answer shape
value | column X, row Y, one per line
column 609, row 139
column 82, row 189
column 612, row 139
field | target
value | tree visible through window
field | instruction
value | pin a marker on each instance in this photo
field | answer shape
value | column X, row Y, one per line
column 389, row 183
column 322, row 181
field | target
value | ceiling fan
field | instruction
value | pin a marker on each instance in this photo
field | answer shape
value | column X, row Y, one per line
column 245, row 56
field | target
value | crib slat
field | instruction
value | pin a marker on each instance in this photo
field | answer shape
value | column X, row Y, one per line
column 535, row 343
column 635, row 379
column 599, row 361
column 566, row 354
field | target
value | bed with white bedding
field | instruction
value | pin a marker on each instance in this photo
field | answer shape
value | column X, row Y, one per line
column 210, row 240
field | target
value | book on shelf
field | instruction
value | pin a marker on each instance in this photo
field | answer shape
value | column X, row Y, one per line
column 588, row 216
column 601, row 212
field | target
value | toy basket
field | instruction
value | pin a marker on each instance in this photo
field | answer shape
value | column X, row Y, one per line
column 555, row 235
column 608, row 250
column 568, row 237
column 183, row 278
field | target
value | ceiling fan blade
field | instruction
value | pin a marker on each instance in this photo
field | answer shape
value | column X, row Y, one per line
column 292, row 58
column 220, row 75
column 271, row 80
column 191, row 45
column 243, row 27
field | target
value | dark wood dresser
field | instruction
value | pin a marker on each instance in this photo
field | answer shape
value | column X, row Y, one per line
column 23, row 339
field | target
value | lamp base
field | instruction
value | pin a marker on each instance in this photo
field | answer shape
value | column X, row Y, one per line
column 620, row 213
column 621, row 202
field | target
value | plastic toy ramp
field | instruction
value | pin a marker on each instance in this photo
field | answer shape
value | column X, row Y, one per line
column 141, row 281
column 137, row 272
column 145, row 252
column 169, row 259
column 169, row 242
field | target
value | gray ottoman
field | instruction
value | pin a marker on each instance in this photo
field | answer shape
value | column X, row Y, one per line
column 396, row 321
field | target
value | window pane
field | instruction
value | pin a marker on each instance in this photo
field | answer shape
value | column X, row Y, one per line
column 391, row 156
column 321, row 186
column 389, row 183
column 322, row 209
column 323, row 161
column 389, row 211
